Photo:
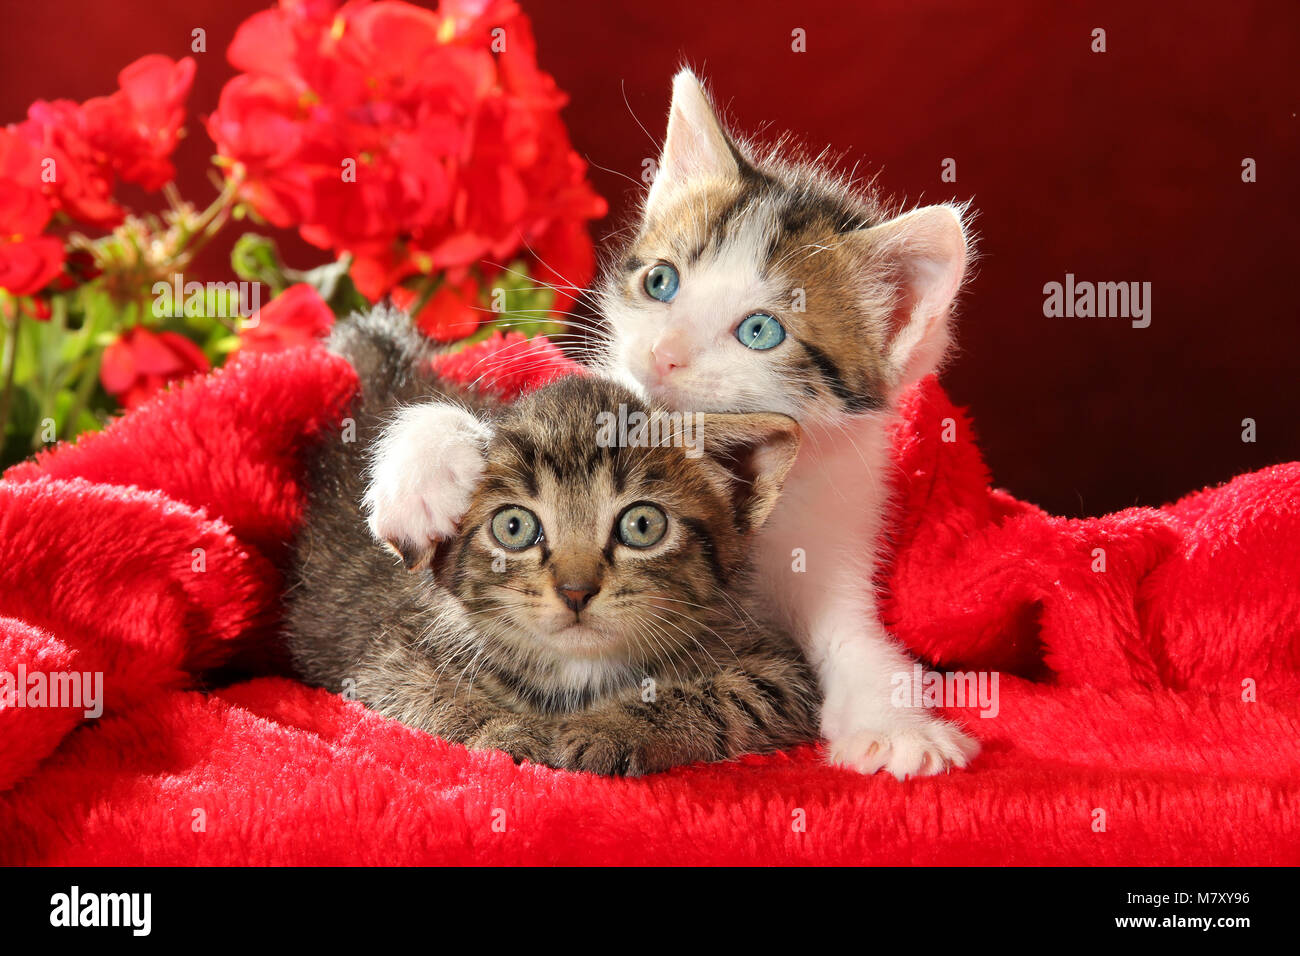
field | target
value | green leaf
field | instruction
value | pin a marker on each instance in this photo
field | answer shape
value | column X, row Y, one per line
column 256, row 258
column 333, row 283
column 525, row 306
column 324, row 279
column 346, row 299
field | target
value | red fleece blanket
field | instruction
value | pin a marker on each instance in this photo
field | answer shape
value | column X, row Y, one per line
column 1148, row 706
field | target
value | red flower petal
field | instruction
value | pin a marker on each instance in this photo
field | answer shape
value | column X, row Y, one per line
column 117, row 367
column 297, row 316
column 27, row 266
column 141, row 362
column 451, row 314
column 263, row 43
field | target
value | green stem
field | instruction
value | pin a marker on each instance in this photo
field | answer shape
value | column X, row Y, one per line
column 222, row 204
column 10, row 364
column 87, row 372
column 427, row 288
column 205, row 236
column 89, row 376
column 207, row 225
column 48, row 358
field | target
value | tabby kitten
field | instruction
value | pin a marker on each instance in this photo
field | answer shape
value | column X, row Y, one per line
column 571, row 601
column 765, row 284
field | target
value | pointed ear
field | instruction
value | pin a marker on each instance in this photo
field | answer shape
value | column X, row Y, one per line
column 696, row 147
column 754, row 452
column 922, row 255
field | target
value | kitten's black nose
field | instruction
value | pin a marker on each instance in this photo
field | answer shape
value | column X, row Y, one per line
column 576, row 596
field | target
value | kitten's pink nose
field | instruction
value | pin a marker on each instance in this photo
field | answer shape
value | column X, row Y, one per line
column 577, row 596
column 669, row 353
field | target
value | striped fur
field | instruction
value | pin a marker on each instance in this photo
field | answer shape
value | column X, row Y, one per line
column 662, row 667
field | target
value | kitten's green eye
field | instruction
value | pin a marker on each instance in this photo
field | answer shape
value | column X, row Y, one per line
column 661, row 282
column 642, row 526
column 760, row 331
column 516, row 528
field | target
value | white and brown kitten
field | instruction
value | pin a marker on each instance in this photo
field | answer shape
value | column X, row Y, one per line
column 760, row 284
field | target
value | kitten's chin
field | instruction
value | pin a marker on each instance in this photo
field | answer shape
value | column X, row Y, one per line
column 678, row 397
column 579, row 639
column 697, row 395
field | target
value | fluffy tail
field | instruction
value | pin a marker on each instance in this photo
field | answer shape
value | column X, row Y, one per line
column 389, row 354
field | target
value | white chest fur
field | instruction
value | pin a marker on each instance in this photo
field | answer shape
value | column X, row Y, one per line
column 817, row 553
column 816, row 562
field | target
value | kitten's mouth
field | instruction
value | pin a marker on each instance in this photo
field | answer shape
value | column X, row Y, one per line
column 580, row 636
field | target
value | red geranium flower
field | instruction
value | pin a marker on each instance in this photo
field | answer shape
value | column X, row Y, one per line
column 28, row 265
column 73, row 173
column 257, row 120
column 297, row 316
column 141, row 362
column 139, row 125
column 451, row 314
column 28, row 260
column 415, row 140
column 130, row 134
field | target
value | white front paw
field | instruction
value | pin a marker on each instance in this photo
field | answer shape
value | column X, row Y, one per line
column 423, row 472
column 917, row 747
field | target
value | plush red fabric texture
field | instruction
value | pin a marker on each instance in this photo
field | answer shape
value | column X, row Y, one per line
column 1148, row 713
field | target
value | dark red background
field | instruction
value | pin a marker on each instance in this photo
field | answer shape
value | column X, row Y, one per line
column 1122, row 166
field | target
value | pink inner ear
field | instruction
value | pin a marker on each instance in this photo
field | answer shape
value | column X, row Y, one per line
column 926, row 289
column 926, row 251
column 696, row 146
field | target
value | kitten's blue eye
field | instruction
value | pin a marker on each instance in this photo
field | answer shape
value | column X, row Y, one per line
column 642, row 526
column 516, row 528
column 760, row 331
column 661, row 282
